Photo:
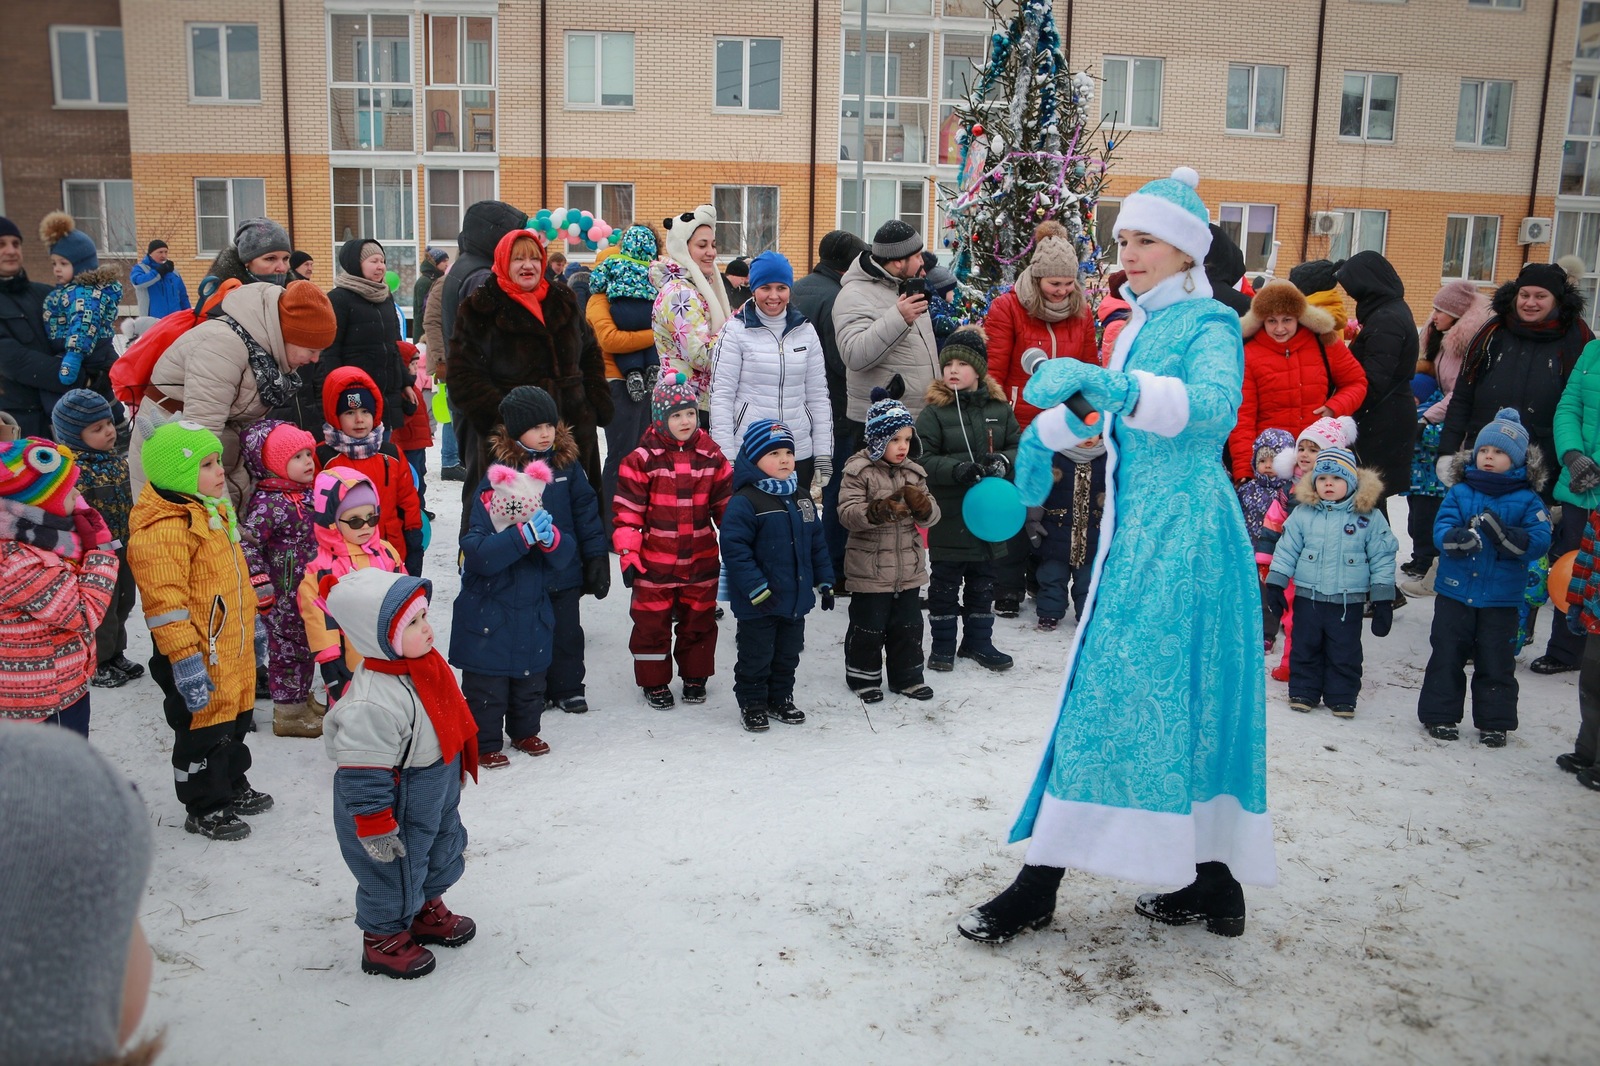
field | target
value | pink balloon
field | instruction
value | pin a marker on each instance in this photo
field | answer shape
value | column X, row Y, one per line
column 600, row 230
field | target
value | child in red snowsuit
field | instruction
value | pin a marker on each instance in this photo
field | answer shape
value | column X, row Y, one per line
column 670, row 490
column 354, row 437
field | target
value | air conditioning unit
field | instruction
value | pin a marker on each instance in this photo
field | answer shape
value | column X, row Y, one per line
column 1534, row 231
column 1327, row 223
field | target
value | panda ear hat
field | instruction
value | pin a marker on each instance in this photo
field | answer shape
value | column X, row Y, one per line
column 679, row 229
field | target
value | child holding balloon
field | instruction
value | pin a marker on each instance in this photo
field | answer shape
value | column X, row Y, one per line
column 969, row 433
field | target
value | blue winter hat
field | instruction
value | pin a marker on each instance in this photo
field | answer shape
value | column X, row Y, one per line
column 770, row 268
column 1339, row 463
column 765, row 435
column 885, row 418
column 1505, row 433
column 60, row 231
column 1169, row 208
column 76, row 412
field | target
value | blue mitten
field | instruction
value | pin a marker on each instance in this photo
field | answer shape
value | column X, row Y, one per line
column 189, row 677
column 1056, row 379
column 1575, row 621
column 1035, row 477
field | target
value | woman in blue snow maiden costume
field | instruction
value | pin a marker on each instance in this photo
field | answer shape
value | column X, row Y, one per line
column 1156, row 763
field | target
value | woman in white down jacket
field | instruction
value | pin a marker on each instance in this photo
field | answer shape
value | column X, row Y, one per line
column 768, row 364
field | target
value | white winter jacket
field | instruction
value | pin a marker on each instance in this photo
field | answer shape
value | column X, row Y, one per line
column 756, row 374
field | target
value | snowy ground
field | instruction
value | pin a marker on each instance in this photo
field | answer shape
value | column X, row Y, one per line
column 666, row 888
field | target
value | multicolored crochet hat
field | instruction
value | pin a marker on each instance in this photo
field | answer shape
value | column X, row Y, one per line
column 673, row 393
column 625, row 273
column 35, row 472
column 1169, row 208
column 885, row 418
column 172, row 458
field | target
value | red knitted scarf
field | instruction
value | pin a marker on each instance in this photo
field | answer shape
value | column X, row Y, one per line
column 441, row 698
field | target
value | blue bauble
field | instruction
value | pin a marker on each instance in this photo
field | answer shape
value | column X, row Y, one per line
column 993, row 510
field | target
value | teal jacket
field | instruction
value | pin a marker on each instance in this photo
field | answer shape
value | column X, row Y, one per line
column 1577, row 424
column 1337, row 552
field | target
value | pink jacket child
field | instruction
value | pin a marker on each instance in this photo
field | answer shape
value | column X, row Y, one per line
column 58, row 571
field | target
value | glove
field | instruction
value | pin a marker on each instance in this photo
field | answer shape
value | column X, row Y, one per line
column 540, row 529
column 763, row 600
column 995, row 465
column 1035, row 475
column 414, row 552
column 597, row 576
column 917, row 502
column 968, row 474
column 91, row 528
column 1461, row 542
column 1273, row 597
column 1445, row 470
column 1583, row 472
column 192, row 682
column 826, row 594
column 632, row 568
column 822, row 471
column 1511, row 543
column 1575, row 621
column 336, row 675
column 385, row 847
column 1034, row 527
column 265, row 596
column 1382, row 617
column 888, row 509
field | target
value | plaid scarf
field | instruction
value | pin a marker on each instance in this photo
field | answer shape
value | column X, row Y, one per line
column 355, row 447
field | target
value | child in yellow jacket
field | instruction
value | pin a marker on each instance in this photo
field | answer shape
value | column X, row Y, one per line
column 194, row 585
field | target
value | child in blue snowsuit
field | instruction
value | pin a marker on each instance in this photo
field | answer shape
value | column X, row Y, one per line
column 1339, row 551
column 80, row 313
column 404, row 742
column 775, row 552
column 1490, row 525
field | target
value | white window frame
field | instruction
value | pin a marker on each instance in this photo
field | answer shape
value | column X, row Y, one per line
column 1245, row 211
column 400, row 248
column 1483, row 104
column 1365, row 135
column 595, row 193
column 745, row 247
column 1466, row 252
column 1352, row 229
column 1107, row 242
column 372, row 85
column 1251, row 119
column 227, row 97
column 462, row 203
column 598, row 37
column 902, row 184
column 1496, row 5
column 103, row 242
column 94, row 103
column 460, row 88
column 233, row 212
column 1126, row 105
column 744, row 87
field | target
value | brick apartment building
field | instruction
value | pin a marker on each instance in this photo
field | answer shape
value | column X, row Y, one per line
column 1427, row 129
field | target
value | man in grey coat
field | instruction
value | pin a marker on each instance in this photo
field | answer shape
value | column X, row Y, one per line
column 882, row 333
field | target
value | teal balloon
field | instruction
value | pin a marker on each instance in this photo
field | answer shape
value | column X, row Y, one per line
column 586, row 220
column 993, row 510
column 573, row 215
column 615, row 238
column 591, row 245
column 543, row 214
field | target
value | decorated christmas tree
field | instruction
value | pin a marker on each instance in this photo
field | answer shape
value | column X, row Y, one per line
column 1031, row 149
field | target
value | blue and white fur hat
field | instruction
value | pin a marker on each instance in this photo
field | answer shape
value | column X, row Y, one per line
column 1169, row 208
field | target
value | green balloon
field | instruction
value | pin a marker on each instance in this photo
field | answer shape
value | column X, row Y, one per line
column 391, row 279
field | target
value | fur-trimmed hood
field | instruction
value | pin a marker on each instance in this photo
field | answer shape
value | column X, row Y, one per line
column 1369, row 490
column 1453, row 342
column 504, row 450
column 1569, row 305
column 941, row 395
column 1537, row 465
column 99, row 278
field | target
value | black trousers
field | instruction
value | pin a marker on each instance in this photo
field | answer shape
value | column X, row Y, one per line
column 111, row 636
column 769, row 654
column 1565, row 646
column 514, row 703
column 208, row 764
column 970, row 607
column 1325, row 657
column 1487, row 636
column 1016, row 569
column 884, row 623
column 564, row 679
column 1420, row 514
column 1588, row 743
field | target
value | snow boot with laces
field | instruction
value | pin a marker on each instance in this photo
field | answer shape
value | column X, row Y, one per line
column 1214, row 898
column 1028, row 903
column 397, row 955
column 438, row 924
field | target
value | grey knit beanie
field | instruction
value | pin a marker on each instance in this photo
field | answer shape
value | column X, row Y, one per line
column 895, row 240
column 74, row 858
column 255, row 237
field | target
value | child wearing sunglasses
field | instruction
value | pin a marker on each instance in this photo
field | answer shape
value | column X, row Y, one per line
column 344, row 508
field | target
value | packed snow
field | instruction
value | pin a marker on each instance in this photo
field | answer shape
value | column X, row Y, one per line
column 666, row 888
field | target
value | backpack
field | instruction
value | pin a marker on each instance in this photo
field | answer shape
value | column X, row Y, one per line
column 130, row 375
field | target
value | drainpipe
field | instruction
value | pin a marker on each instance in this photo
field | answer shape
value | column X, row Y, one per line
column 1066, row 40
column 861, row 133
column 816, row 45
column 1538, row 137
column 544, row 107
column 288, row 160
column 1316, row 108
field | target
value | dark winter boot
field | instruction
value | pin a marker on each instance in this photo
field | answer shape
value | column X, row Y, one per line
column 694, row 690
column 398, row 956
column 1028, row 903
column 659, row 697
column 250, row 801
column 437, row 924
column 977, row 642
column 1215, row 898
column 942, row 640
column 786, row 712
column 126, row 667
column 220, row 824
column 753, row 715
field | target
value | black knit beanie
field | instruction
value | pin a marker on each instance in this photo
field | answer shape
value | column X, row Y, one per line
column 527, row 406
column 839, row 248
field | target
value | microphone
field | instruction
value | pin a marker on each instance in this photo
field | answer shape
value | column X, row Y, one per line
column 1032, row 359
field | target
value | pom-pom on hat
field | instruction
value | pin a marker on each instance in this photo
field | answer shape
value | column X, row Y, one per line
column 61, row 233
column 1170, row 209
column 305, row 315
column 765, row 435
column 173, row 454
column 672, row 393
column 339, row 490
column 969, row 345
column 284, row 442
column 1053, row 254
column 1506, row 432
column 1547, row 276
column 516, row 494
column 770, row 268
column 1279, row 444
column 1456, row 298
column 75, row 412
column 1340, row 463
column 527, row 406
column 35, row 472
column 886, row 416
column 1330, row 432
column 895, row 240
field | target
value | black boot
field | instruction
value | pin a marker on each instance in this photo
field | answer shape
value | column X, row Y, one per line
column 1215, row 898
column 1029, row 903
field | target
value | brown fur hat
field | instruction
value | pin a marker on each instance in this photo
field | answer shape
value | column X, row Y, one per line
column 1278, row 298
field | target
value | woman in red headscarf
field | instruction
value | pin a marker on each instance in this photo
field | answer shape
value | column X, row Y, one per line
column 518, row 329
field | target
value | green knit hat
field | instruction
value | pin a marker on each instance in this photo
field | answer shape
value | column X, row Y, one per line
column 172, row 458
column 969, row 345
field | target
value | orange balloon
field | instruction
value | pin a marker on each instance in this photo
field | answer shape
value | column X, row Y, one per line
column 1560, row 578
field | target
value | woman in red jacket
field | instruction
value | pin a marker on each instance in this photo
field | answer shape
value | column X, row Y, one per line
column 1296, row 370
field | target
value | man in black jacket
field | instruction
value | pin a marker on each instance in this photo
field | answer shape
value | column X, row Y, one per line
column 29, row 381
column 813, row 296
